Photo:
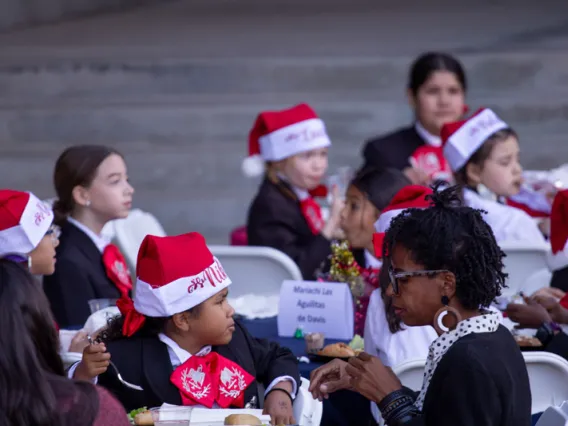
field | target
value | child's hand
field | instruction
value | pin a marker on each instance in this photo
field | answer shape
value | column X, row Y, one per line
column 332, row 227
column 94, row 363
column 79, row 342
column 279, row 407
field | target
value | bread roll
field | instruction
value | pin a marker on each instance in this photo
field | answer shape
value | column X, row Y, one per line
column 144, row 419
column 242, row 419
column 337, row 350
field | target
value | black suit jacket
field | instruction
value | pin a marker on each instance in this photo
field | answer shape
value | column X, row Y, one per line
column 145, row 361
column 79, row 277
column 481, row 380
column 275, row 220
column 392, row 150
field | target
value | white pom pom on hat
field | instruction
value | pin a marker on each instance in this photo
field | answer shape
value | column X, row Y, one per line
column 277, row 135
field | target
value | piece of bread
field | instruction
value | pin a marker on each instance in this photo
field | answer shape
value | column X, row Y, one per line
column 337, row 350
column 527, row 341
column 144, row 418
column 242, row 419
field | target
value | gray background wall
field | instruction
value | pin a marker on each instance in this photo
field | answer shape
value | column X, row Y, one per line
column 176, row 87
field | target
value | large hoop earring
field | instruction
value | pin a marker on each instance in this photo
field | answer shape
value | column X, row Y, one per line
column 439, row 325
column 30, row 263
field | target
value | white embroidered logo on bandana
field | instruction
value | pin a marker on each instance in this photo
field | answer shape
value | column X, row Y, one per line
column 192, row 381
column 232, row 382
column 487, row 323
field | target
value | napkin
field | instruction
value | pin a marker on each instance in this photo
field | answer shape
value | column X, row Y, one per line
column 205, row 416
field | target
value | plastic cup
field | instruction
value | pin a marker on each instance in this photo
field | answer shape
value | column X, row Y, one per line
column 98, row 304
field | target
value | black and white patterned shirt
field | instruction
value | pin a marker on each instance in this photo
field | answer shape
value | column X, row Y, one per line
column 486, row 323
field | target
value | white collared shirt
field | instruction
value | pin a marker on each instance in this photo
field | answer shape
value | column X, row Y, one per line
column 371, row 261
column 507, row 223
column 99, row 241
column 428, row 137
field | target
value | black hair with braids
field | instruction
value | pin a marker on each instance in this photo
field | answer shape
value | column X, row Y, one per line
column 451, row 236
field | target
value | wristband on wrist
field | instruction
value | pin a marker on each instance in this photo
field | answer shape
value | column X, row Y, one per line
column 280, row 390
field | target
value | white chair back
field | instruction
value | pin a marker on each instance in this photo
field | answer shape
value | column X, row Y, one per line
column 521, row 262
column 307, row 410
column 411, row 373
column 554, row 416
column 548, row 376
column 256, row 271
column 130, row 232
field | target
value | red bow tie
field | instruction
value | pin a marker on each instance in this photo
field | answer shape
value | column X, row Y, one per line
column 116, row 269
column 312, row 213
column 211, row 378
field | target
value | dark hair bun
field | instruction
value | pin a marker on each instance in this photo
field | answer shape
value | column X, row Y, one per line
column 445, row 197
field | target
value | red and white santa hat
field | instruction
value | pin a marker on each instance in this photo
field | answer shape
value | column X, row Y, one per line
column 175, row 274
column 277, row 135
column 462, row 139
column 411, row 196
column 24, row 221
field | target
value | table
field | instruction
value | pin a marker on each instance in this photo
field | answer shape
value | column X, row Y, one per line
column 343, row 408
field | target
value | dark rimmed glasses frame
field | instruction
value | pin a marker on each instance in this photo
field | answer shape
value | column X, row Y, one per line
column 395, row 276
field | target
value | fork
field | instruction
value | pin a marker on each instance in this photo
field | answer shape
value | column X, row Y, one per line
column 120, row 379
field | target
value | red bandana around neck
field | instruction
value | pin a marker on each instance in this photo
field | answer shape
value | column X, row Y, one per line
column 431, row 160
column 212, row 378
column 116, row 269
column 312, row 213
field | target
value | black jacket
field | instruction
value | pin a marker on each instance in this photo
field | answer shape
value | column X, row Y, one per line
column 79, row 277
column 275, row 220
column 145, row 361
column 481, row 380
column 392, row 150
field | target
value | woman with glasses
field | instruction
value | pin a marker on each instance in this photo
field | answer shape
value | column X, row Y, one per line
column 445, row 268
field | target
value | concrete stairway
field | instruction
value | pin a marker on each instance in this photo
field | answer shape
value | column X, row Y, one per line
column 177, row 87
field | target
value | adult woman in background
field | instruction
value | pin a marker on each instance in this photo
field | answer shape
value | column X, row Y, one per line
column 444, row 267
column 33, row 389
column 436, row 93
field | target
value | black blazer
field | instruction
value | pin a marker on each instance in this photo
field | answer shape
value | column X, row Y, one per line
column 481, row 380
column 392, row 150
column 275, row 220
column 145, row 361
column 79, row 277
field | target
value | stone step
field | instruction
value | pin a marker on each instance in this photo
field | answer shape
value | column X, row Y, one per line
column 112, row 81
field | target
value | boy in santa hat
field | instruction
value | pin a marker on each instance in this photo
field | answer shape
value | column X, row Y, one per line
column 178, row 341
column 290, row 148
column 483, row 153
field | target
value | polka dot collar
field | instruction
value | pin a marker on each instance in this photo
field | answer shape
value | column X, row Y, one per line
column 487, row 323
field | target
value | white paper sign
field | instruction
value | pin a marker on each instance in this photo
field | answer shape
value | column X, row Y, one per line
column 316, row 307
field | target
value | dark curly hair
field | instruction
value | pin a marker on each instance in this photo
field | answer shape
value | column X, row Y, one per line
column 151, row 328
column 451, row 236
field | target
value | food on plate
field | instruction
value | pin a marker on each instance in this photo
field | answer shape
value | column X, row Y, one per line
column 242, row 419
column 144, row 418
column 357, row 344
column 314, row 342
column 337, row 350
column 134, row 413
column 527, row 341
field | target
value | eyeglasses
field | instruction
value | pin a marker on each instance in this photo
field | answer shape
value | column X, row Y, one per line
column 395, row 276
column 55, row 232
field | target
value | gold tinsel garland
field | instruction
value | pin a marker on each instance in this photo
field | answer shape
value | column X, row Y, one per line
column 345, row 269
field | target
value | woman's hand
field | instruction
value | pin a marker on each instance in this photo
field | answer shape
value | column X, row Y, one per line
column 548, row 292
column 556, row 311
column 371, row 378
column 279, row 406
column 332, row 230
column 531, row 315
column 328, row 378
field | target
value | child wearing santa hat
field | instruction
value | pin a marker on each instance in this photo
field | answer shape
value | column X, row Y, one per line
column 483, row 153
column 27, row 233
column 178, row 340
column 290, row 147
column 91, row 182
